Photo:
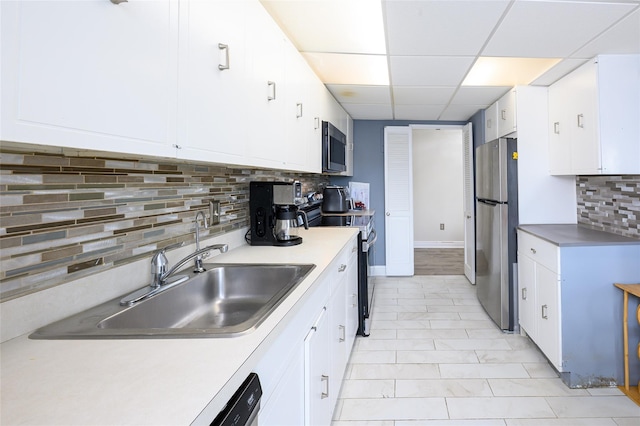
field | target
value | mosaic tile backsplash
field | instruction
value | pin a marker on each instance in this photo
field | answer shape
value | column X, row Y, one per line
column 64, row 217
column 610, row 203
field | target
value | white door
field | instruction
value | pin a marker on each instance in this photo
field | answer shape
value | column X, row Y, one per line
column 469, row 202
column 398, row 196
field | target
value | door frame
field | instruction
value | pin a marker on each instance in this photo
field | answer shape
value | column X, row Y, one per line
column 434, row 127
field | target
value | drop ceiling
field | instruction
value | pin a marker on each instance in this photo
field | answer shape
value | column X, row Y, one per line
column 407, row 59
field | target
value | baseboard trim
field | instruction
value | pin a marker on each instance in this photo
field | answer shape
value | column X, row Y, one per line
column 438, row 244
column 377, row 270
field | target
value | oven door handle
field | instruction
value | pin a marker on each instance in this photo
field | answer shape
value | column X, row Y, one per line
column 366, row 245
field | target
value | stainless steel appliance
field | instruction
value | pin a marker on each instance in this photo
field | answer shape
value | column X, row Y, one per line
column 274, row 214
column 496, row 222
column 335, row 199
column 367, row 237
column 242, row 409
column 334, row 149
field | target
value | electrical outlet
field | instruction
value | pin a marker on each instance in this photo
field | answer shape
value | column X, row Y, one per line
column 214, row 212
column 442, row 226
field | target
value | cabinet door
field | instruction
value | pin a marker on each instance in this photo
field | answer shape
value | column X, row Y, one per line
column 318, row 410
column 299, row 123
column 560, row 132
column 548, row 314
column 507, row 114
column 584, row 120
column 286, row 406
column 526, row 295
column 212, row 81
column 491, row 123
column 338, row 335
column 267, row 140
column 91, row 75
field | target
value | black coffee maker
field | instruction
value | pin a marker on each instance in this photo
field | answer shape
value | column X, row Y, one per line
column 274, row 214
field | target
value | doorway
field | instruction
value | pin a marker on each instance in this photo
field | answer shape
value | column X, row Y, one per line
column 400, row 215
column 438, row 200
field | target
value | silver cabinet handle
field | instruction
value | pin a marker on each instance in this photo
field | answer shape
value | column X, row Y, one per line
column 272, row 90
column 118, row 1
column 298, row 110
column 503, row 114
column 581, row 121
column 316, row 123
column 524, row 293
column 556, row 127
column 342, row 268
column 325, row 379
column 388, row 214
column 488, row 123
column 343, row 333
column 544, row 312
column 533, row 251
column 224, row 47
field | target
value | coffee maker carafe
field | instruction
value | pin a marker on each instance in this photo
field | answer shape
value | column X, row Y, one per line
column 274, row 214
column 286, row 227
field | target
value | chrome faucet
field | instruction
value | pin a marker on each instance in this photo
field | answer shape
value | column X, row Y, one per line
column 160, row 274
column 197, row 267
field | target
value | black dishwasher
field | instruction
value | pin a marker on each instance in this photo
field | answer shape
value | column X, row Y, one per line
column 242, row 409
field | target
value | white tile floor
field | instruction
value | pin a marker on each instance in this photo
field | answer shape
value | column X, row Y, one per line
column 435, row 358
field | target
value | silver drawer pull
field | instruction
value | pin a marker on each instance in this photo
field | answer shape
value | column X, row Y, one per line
column 533, row 251
column 224, row 47
column 524, row 293
column 272, row 90
column 343, row 333
column 342, row 268
column 544, row 312
column 581, row 121
column 325, row 379
column 556, row 127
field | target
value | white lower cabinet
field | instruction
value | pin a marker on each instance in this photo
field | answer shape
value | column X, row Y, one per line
column 539, row 294
column 286, row 406
column 317, row 373
column 302, row 372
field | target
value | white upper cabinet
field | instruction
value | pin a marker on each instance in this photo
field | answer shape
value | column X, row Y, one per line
column 208, row 81
column 594, row 118
column 491, row 123
column 507, row 114
column 212, row 74
column 90, row 75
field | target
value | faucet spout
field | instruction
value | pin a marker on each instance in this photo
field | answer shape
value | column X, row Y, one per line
column 198, row 259
column 222, row 247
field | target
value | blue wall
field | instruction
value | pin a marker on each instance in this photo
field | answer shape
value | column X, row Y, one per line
column 368, row 166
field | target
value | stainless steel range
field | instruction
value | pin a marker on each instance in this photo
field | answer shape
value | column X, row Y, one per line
column 363, row 220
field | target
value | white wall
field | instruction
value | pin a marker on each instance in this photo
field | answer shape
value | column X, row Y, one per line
column 438, row 187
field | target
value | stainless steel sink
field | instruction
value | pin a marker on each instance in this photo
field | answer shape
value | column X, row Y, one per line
column 227, row 300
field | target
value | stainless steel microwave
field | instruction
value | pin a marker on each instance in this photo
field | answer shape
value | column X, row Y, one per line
column 334, row 149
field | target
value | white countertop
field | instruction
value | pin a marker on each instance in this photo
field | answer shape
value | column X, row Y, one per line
column 150, row 381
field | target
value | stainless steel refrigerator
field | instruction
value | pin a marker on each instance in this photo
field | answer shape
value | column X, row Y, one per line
column 496, row 222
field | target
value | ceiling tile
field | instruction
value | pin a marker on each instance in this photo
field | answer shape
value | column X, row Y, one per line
column 551, row 29
column 478, row 95
column 623, row 38
column 418, row 112
column 460, row 112
column 359, row 94
column 407, row 95
column 339, row 68
column 428, row 70
column 369, row 111
column 338, row 26
column 456, row 28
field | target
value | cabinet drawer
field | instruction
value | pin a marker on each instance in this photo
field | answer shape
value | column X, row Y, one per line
column 541, row 251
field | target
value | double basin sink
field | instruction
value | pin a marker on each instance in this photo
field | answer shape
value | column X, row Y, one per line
column 226, row 300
